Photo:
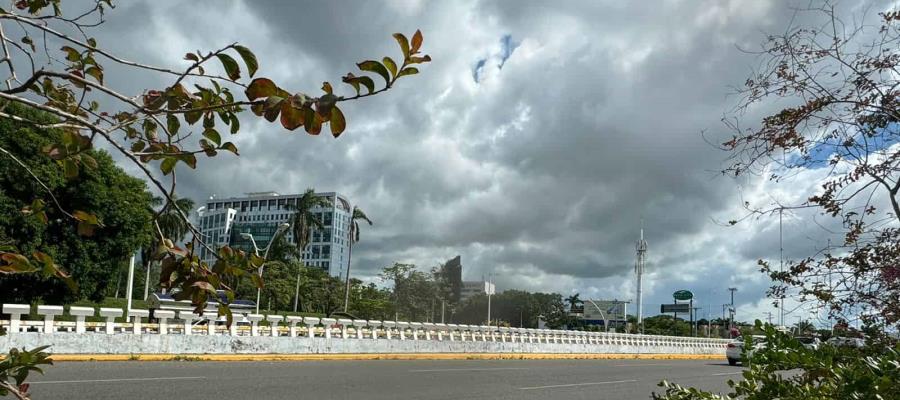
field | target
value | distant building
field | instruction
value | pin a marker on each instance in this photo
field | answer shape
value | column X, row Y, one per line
column 599, row 312
column 473, row 288
column 222, row 221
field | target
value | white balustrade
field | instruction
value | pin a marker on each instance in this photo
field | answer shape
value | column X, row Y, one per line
column 428, row 327
column 388, row 328
column 292, row 321
column 254, row 323
column 373, row 327
column 329, row 324
column 358, row 325
column 80, row 313
column 273, row 321
column 136, row 325
column 401, row 329
column 49, row 312
column 310, row 323
column 415, row 327
column 188, row 318
column 164, row 316
column 110, row 314
column 345, row 325
column 15, row 312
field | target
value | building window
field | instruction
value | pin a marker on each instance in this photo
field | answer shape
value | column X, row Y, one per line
column 326, row 251
column 325, row 264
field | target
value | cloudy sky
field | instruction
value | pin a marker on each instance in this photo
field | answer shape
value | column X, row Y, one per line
column 533, row 145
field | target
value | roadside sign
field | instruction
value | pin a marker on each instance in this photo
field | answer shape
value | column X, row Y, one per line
column 683, row 295
column 675, row 308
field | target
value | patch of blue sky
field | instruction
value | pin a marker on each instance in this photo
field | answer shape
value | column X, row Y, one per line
column 507, row 47
column 819, row 156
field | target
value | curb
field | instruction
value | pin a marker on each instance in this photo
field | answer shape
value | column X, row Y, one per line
column 378, row 356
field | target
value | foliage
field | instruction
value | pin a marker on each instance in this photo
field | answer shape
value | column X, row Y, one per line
column 666, row 325
column 356, row 216
column 784, row 369
column 120, row 202
column 514, row 308
column 413, row 291
column 16, row 366
column 840, row 78
column 153, row 130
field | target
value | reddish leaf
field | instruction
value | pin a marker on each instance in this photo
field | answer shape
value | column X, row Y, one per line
column 260, row 88
column 416, row 42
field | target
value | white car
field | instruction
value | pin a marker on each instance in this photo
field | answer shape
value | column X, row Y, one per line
column 734, row 351
column 811, row 343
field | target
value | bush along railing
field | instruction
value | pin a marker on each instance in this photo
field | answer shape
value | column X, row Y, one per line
column 248, row 326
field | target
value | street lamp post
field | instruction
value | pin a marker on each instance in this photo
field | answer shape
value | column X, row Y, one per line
column 245, row 235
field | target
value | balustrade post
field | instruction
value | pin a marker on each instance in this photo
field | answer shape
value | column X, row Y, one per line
column 310, row 323
column 80, row 313
column 292, row 321
column 163, row 316
column 49, row 312
column 136, row 315
column 273, row 324
column 328, row 323
column 254, row 323
column 110, row 314
column 15, row 312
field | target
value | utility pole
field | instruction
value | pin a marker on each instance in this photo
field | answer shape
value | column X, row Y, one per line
column 696, row 321
column 781, row 250
column 769, row 317
column 489, row 293
column 130, row 287
column 731, row 314
column 442, row 311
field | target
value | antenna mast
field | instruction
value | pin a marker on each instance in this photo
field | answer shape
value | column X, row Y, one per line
column 641, row 248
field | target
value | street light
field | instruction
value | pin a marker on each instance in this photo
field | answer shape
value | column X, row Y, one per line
column 249, row 236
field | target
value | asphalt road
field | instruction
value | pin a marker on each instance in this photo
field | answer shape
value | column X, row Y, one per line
column 376, row 380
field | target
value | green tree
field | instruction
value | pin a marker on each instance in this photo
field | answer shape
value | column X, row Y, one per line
column 413, row 291
column 303, row 221
column 356, row 216
column 121, row 204
column 154, row 132
column 171, row 226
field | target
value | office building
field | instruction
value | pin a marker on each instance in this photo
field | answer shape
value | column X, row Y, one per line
column 222, row 221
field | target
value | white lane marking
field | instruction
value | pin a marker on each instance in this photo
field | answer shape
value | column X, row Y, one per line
column 645, row 365
column 464, row 369
column 727, row 373
column 577, row 384
column 173, row 378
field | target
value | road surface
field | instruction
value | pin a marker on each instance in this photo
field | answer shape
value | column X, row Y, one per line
column 376, row 380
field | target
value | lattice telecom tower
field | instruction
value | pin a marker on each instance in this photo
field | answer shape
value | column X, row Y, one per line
column 641, row 248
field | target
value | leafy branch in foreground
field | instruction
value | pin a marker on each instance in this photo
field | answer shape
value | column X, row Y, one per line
column 154, row 130
column 53, row 66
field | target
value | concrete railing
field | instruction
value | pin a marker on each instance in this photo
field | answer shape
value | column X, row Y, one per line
column 287, row 332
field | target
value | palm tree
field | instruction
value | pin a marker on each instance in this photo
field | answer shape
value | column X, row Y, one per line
column 356, row 216
column 171, row 225
column 303, row 221
column 573, row 301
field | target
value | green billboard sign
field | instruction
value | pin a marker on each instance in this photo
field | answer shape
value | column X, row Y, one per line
column 683, row 295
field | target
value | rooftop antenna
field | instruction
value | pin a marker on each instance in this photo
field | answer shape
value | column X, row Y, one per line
column 641, row 248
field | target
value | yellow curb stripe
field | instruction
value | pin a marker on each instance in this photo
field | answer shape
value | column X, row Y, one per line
column 379, row 356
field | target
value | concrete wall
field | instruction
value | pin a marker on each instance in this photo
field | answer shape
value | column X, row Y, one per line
column 95, row 343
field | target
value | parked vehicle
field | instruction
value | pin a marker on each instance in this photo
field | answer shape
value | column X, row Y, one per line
column 838, row 341
column 811, row 343
column 735, row 350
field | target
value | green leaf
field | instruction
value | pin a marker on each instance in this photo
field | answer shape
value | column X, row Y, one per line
column 338, row 123
column 311, row 121
column 137, row 146
column 249, row 59
column 231, row 66
column 172, row 123
column 408, row 71
column 419, row 60
column 367, row 82
column 260, row 88
column 235, row 124
column 273, row 107
column 391, row 65
column 71, row 54
column 96, row 72
column 70, row 168
column 351, row 80
column 213, row 136
column 230, row 147
column 168, row 165
column 404, row 44
column 376, row 67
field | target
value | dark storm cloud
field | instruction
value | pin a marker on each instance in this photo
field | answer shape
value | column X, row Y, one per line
column 586, row 117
